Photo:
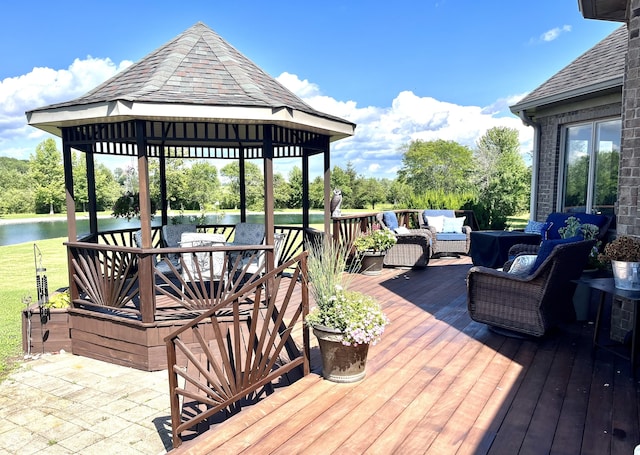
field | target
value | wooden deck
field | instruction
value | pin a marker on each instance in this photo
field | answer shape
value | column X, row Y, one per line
column 440, row 383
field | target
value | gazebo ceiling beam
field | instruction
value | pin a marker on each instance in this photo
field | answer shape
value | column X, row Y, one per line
column 194, row 139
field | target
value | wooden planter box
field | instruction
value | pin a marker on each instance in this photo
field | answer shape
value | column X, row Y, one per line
column 45, row 335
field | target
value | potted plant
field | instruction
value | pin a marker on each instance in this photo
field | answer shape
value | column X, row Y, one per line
column 344, row 321
column 128, row 206
column 588, row 231
column 372, row 246
column 624, row 254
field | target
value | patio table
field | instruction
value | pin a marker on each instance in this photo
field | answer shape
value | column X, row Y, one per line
column 491, row 248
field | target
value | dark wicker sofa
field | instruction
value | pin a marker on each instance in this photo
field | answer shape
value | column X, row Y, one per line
column 411, row 250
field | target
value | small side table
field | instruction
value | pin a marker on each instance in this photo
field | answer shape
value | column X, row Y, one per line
column 607, row 286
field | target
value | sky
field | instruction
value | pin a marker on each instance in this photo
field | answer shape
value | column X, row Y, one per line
column 402, row 71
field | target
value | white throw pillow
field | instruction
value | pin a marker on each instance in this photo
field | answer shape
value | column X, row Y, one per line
column 436, row 222
column 453, row 224
column 402, row 230
column 522, row 264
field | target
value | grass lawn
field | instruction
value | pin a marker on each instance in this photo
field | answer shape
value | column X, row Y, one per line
column 18, row 280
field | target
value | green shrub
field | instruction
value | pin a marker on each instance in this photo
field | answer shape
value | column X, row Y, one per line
column 435, row 199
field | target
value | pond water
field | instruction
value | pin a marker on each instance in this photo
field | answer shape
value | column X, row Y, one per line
column 11, row 234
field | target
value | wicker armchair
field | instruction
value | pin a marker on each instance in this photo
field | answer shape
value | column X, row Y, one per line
column 530, row 304
column 446, row 243
column 411, row 250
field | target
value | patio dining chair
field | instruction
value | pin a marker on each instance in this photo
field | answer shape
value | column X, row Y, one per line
column 158, row 264
column 257, row 263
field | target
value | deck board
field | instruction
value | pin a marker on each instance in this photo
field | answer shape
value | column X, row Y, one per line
column 439, row 383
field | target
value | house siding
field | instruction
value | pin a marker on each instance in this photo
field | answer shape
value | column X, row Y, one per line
column 629, row 176
column 551, row 148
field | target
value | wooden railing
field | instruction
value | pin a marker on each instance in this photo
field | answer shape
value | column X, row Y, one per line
column 238, row 348
column 108, row 272
column 348, row 227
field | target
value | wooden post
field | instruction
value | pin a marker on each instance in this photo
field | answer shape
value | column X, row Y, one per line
column 145, row 270
column 269, row 220
column 327, row 187
column 72, row 231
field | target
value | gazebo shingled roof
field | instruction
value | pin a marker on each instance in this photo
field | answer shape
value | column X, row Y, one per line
column 205, row 74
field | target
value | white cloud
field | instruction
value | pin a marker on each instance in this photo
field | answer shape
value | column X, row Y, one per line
column 375, row 149
column 554, row 33
column 43, row 86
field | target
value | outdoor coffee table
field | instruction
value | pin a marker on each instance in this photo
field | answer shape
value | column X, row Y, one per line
column 491, row 248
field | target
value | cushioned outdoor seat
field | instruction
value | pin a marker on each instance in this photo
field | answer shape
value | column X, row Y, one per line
column 413, row 246
column 448, row 232
column 534, row 301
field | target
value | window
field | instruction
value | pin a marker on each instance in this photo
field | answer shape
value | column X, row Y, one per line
column 592, row 155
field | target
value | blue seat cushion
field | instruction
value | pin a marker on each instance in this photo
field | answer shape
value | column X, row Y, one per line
column 390, row 220
column 534, row 227
column 444, row 236
column 546, row 247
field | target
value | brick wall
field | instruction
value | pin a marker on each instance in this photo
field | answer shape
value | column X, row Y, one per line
column 628, row 221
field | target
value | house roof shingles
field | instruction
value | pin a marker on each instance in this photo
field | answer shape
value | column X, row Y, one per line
column 599, row 68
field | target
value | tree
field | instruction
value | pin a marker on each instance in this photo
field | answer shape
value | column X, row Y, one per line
column 47, row 176
column 345, row 180
column 177, row 188
column 502, row 179
column 398, row 193
column 281, row 192
column 203, row 184
column 295, row 188
column 254, row 184
column 107, row 188
column 316, row 193
column 370, row 192
column 436, row 165
column 15, row 187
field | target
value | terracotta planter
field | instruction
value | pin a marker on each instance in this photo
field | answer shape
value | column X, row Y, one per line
column 340, row 363
column 372, row 262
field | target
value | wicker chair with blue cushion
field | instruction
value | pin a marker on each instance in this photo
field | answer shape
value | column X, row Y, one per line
column 450, row 235
column 529, row 303
column 413, row 246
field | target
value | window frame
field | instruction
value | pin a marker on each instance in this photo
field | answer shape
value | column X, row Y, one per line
column 562, row 184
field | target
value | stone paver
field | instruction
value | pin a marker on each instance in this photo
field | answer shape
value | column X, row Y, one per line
column 66, row 404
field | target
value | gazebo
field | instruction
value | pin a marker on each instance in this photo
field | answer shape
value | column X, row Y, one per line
column 195, row 97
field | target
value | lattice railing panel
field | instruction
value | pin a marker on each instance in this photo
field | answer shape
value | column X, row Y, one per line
column 239, row 347
column 105, row 277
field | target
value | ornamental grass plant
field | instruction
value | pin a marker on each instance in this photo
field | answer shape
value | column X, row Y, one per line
column 357, row 316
